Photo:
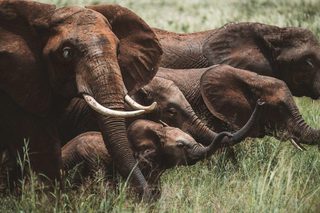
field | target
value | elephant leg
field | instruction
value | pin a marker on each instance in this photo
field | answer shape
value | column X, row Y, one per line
column 38, row 150
column 18, row 128
column 8, row 170
column 45, row 155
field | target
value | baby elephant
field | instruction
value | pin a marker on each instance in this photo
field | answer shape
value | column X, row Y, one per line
column 156, row 148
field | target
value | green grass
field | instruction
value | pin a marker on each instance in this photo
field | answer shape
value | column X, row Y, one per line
column 272, row 175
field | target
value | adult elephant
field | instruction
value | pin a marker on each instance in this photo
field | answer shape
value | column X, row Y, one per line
column 172, row 109
column 49, row 55
column 224, row 97
column 290, row 54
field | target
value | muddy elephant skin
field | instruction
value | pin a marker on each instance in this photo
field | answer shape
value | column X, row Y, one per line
column 224, row 97
column 291, row 54
column 156, row 148
column 49, row 55
column 172, row 109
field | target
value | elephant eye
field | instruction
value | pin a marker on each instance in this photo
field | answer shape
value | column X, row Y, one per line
column 309, row 62
column 171, row 112
column 180, row 144
column 67, row 53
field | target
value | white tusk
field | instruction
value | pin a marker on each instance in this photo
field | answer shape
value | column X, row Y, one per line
column 298, row 146
column 110, row 112
column 163, row 123
column 138, row 106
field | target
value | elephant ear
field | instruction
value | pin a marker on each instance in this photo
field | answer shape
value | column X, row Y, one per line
column 139, row 49
column 230, row 94
column 23, row 75
column 144, row 135
column 244, row 45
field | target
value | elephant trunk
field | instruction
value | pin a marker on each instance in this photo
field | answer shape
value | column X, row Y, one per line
column 301, row 131
column 199, row 131
column 199, row 152
column 115, row 137
column 108, row 90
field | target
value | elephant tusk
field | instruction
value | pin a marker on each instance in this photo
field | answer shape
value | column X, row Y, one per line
column 163, row 123
column 297, row 145
column 110, row 112
column 138, row 106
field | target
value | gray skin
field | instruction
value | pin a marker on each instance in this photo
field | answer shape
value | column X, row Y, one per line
column 172, row 108
column 224, row 97
column 291, row 54
column 48, row 56
column 156, row 148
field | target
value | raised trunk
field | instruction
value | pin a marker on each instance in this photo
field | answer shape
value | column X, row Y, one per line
column 220, row 139
column 204, row 135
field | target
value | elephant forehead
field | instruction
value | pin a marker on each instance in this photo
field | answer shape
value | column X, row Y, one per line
column 176, row 134
column 76, row 16
column 168, row 91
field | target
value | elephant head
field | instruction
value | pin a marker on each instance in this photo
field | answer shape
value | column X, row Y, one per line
column 174, row 110
column 230, row 94
column 172, row 146
column 291, row 54
column 98, row 52
column 156, row 148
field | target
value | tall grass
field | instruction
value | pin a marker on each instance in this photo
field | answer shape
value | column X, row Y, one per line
column 271, row 177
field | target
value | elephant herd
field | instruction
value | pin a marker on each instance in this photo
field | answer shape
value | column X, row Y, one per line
column 97, row 86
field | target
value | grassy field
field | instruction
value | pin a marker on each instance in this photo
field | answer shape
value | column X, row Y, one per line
column 272, row 175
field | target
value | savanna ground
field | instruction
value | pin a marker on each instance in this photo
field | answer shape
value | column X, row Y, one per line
column 272, row 176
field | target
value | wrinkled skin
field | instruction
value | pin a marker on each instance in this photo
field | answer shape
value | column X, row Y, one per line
column 48, row 56
column 172, row 108
column 156, row 147
column 224, row 97
column 291, row 54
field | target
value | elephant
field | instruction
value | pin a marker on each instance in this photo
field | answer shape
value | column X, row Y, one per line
column 224, row 97
column 49, row 56
column 156, row 148
column 291, row 54
column 172, row 109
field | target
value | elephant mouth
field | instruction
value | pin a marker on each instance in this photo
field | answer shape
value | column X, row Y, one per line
column 138, row 108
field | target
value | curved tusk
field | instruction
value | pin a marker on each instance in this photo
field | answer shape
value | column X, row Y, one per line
column 138, row 106
column 297, row 145
column 109, row 112
column 163, row 123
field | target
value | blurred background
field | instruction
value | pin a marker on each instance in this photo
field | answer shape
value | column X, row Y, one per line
column 195, row 15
